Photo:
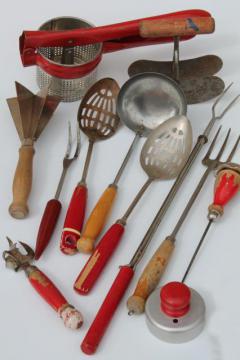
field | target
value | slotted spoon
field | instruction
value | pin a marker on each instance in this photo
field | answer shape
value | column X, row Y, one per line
column 162, row 157
column 98, row 120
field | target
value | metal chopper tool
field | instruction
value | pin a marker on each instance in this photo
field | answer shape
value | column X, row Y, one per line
column 98, row 120
column 67, row 50
column 30, row 114
column 179, row 316
column 116, row 292
column 193, row 75
column 16, row 260
column 144, row 102
column 162, row 157
column 152, row 273
column 53, row 207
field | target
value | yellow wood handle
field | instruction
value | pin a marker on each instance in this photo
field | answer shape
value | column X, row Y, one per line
column 177, row 27
column 150, row 277
column 97, row 220
column 22, row 182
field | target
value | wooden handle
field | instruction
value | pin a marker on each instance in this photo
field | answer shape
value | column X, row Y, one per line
column 97, row 220
column 50, row 293
column 150, row 277
column 22, row 183
column 47, row 226
column 177, row 27
column 74, row 220
column 107, row 310
column 98, row 260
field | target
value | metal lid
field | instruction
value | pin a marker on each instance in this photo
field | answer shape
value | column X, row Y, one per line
column 175, row 329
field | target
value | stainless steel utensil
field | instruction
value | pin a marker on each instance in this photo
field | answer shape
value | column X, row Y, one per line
column 162, row 157
column 52, row 210
column 143, row 103
column 152, row 273
column 98, row 120
column 126, row 272
column 31, row 113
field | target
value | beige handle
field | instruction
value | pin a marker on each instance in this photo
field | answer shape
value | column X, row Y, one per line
column 22, row 182
column 177, row 27
column 97, row 220
column 150, row 277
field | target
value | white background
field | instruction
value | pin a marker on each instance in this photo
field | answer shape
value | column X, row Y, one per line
column 29, row 329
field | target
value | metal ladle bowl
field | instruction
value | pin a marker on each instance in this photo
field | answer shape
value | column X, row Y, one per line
column 147, row 100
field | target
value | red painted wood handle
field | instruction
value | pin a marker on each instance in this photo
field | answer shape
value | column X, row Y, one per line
column 107, row 310
column 98, row 260
column 74, row 220
column 47, row 226
column 50, row 293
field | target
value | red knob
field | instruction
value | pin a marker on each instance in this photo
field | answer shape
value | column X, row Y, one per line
column 175, row 299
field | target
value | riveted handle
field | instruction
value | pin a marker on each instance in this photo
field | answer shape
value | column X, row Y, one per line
column 47, row 226
column 97, row 220
column 22, row 182
column 74, row 220
column 50, row 293
column 177, row 27
column 107, row 310
column 98, row 260
column 150, row 277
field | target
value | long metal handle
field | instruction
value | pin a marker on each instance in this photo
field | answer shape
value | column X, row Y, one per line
column 167, row 202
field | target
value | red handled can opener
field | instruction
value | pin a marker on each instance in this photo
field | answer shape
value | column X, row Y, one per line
column 16, row 260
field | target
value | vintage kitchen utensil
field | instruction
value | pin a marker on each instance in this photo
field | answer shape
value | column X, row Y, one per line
column 162, row 157
column 144, row 102
column 179, row 316
column 226, row 186
column 175, row 313
column 125, row 275
column 68, row 50
column 197, row 82
column 98, row 120
column 153, row 271
column 53, row 207
column 30, row 114
column 16, row 260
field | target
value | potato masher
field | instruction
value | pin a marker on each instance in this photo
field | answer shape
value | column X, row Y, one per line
column 162, row 158
column 68, row 50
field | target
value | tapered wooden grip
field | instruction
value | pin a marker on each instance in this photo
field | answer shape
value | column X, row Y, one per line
column 74, row 220
column 97, row 220
column 150, row 277
column 105, row 313
column 47, row 226
column 98, row 260
column 177, row 27
column 22, row 183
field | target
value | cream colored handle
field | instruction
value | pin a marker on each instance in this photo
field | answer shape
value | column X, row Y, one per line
column 177, row 27
column 22, row 183
column 150, row 277
column 97, row 220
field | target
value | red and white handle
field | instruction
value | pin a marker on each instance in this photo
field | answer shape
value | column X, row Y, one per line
column 74, row 220
column 98, row 260
column 114, row 37
column 47, row 226
column 107, row 310
column 49, row 292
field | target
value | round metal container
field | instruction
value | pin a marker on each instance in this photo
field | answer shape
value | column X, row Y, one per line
column 175, row 329
column 69, row 89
